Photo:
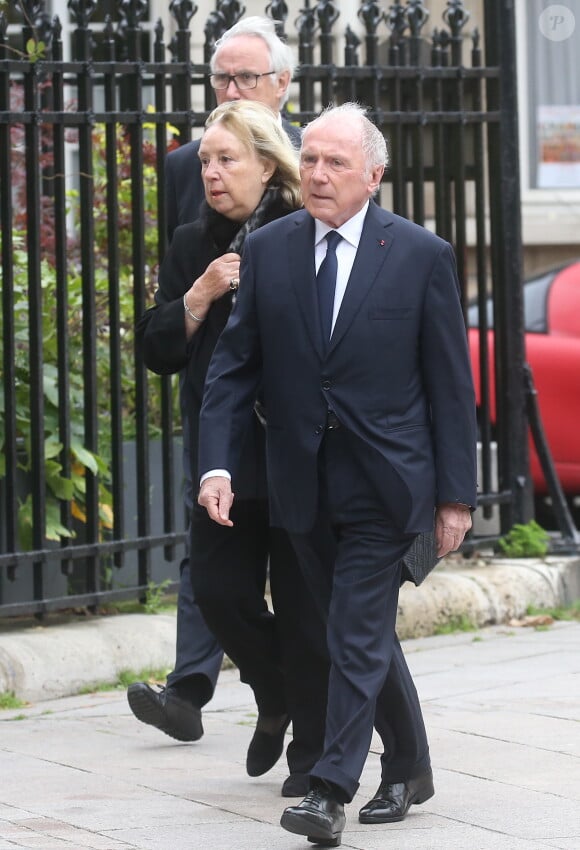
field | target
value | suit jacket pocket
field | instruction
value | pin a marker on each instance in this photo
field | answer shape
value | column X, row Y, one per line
column 390, row 312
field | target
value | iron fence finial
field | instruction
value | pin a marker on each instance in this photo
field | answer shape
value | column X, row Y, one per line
column 231, row 11
column 109, row 30
column 327, row 13
column 305, row 23
column 31, row 9
column 278, row 11
column 352, row 42
column 456, row 16
column 214, row 28
column 417, row 16
column 371, row 15
column 182, row 11
column 82, row 11
column 351, row 38
column 133, row 11
column 396, row 20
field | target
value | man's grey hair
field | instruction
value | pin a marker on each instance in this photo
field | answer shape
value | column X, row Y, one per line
column 373, row 142
column 281, row 54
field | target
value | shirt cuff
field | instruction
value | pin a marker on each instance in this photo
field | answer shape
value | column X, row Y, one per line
column 223, row 473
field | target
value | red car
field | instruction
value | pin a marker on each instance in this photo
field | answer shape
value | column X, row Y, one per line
column 552, row 325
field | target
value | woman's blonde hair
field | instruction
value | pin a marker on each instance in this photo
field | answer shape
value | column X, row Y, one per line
column 258, row 129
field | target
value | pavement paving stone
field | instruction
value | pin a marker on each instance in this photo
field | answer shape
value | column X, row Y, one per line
column 571, row 843
column 514, row 725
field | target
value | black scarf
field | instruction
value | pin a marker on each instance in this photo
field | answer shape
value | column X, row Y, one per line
column 228, row 235
column 260, row 216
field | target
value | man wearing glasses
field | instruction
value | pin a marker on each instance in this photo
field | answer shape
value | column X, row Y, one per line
column 249, row 62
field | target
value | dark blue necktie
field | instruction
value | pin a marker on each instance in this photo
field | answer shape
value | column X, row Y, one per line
column 326, row 284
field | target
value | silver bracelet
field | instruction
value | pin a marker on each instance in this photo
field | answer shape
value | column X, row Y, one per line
column 188, row 311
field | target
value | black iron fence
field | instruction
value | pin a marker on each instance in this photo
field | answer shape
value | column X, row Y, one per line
column 83, row 144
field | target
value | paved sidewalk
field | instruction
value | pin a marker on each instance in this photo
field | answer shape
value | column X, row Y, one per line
column 502, row 708
column 43, row 661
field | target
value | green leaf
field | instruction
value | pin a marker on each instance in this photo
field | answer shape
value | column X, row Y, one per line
column 63, row 488
column 54, row 528
column 52, row 447
column 85, row 457
column 50, row 385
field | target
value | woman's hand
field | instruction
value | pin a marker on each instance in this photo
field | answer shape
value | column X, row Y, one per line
column 211, row 285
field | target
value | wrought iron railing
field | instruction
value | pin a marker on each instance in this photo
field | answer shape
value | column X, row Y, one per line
column 83, row 144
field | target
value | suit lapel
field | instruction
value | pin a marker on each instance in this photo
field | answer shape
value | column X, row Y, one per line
column 303, row 275
column 373, row 248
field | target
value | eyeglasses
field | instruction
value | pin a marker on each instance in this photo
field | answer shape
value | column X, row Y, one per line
column 243, row 82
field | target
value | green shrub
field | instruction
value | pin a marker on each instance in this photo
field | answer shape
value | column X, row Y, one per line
column 60, row 487
column 525, row 541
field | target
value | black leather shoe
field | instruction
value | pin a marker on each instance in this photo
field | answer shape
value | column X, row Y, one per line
column 165, row 710
column 296, row 785
column 265, row 749
column 320, row 817
column 393, row 799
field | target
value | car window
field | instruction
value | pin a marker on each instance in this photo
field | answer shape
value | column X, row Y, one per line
column 536, row 303
column 536, row 292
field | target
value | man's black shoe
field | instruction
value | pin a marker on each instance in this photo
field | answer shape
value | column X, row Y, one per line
column 265, row 749
column 296, row 785
column 393, row 799
column 165, row 710
column 320, row 817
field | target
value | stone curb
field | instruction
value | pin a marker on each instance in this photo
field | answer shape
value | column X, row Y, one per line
column 55, row 661
column 486, row 595
column 46, row 662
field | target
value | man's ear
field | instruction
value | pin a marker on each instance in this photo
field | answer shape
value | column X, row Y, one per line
column 283, row 81
column 375, row 178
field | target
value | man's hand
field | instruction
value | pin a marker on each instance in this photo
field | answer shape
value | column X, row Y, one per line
column 452, row 522
column 216, row 497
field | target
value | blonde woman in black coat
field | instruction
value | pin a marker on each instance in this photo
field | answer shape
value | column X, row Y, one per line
column 250, row 175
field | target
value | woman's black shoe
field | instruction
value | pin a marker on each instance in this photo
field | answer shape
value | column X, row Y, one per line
column 265, row 749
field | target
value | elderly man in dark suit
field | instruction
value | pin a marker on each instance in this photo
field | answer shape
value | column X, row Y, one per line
column 249, row 62
column 349, row 320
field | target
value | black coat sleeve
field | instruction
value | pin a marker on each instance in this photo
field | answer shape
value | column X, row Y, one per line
column 161, row 330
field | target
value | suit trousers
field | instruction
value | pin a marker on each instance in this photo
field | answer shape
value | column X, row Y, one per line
column 198, row 655
column 281, row 656
column 352, row 562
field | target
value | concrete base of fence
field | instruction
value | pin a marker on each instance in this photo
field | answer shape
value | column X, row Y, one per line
column 45, row 662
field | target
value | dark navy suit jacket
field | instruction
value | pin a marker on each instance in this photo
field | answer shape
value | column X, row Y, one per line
column 396, row 373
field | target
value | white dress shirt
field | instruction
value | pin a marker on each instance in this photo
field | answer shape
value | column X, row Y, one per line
column 346, row 250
